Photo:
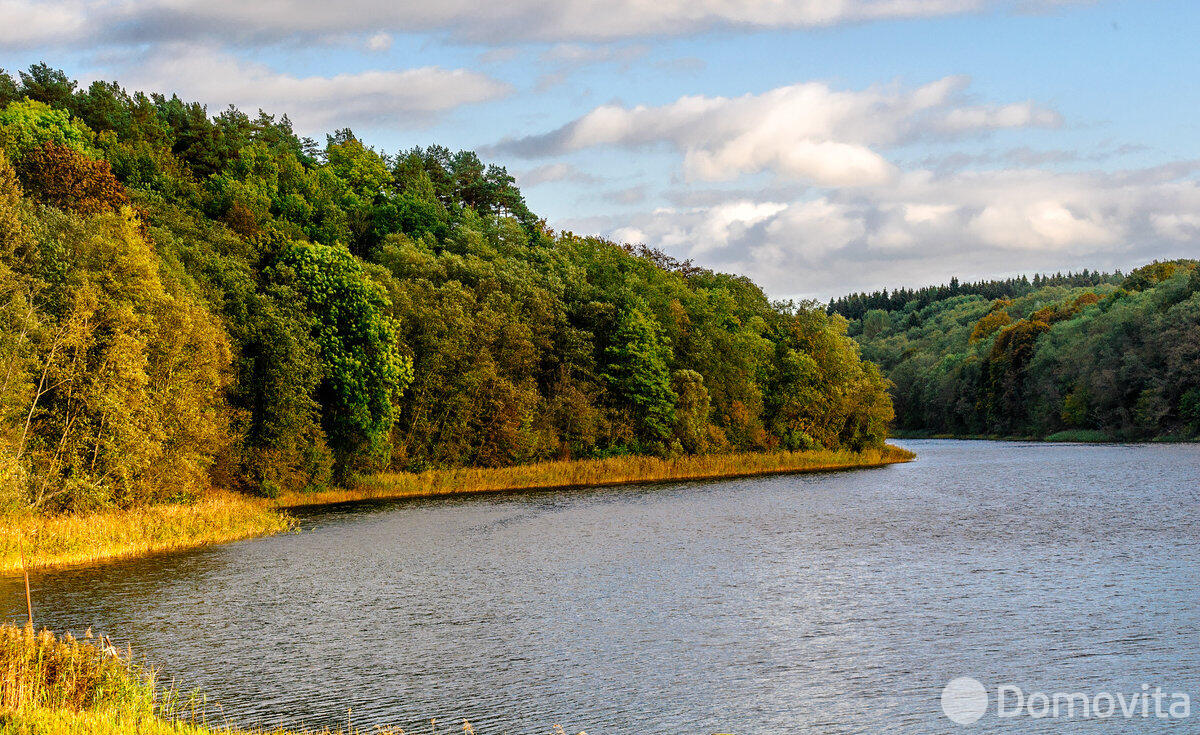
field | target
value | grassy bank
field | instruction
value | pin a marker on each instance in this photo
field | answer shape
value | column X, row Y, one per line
column 219, row 517
column 594, row 473
column 51, row 685
column 60, row 540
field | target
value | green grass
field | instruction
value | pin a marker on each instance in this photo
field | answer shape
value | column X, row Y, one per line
column 1079, row 435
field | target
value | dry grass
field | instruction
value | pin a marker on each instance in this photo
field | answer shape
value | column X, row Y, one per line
column 52, row 685
column 42, row 670
column 62, row 540
column 597, row 472
column 59, row 540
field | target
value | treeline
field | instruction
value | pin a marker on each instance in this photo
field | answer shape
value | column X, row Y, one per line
column 855, row 306
column 187, row 299
column 1119, row 359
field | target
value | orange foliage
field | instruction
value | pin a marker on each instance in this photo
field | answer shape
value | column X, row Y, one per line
column 67, row 179
column 243, row 221
column 989, row 324
column 1060, row 312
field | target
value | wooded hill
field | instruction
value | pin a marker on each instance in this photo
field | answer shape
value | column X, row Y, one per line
column 188, row 299
column 1087, row 356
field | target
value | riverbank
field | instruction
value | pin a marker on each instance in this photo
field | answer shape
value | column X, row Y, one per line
column 1079, row 436
column 53, row 685
column 61, row 685
column 596, row 473
column 64, row 540
column 219, row 517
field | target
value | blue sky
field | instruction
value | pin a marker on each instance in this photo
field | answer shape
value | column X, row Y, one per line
column 818, row 146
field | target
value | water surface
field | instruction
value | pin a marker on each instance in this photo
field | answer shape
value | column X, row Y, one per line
column 828, row 603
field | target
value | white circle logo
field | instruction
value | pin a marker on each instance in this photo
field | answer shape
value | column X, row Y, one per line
column 964, row 700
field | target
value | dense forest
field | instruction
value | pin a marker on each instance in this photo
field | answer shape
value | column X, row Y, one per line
column 855, row 306
column 188, row 300
column 1086, row 356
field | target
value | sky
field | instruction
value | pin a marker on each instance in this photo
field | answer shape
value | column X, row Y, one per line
column 818, row 146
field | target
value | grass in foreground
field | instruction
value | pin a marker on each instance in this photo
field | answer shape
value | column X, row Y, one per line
column 60, row 540
column 218, row 517
column 596, row 472
column 52, row 685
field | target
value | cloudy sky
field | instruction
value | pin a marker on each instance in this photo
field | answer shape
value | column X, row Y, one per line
column 818, row 146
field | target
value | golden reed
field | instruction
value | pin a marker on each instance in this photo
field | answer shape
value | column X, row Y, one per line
column 218, row 517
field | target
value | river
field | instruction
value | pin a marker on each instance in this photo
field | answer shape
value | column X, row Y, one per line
column 827, row 603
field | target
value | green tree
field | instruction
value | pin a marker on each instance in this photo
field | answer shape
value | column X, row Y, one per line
column 638, row 374
column 362, row 371
column 691, row 410
column 27, row 124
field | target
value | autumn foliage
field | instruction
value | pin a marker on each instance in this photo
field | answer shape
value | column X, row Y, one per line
column 67, row 179
column 187, row 299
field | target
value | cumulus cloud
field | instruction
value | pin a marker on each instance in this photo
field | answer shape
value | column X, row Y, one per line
column 806, row 131
column 925, row 227
column 404, row 97
column 234, row 21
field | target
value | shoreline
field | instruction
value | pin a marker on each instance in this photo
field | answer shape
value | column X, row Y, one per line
column 60, row 541
column 591, row 473
column 54, row 542
column 1058, row 438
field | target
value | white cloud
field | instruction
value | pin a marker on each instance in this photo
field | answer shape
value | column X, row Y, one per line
column 575, row 55
column 379, row 42
column 805, row 131
column 1182, row 227
column 554, row 172
column 401, row 97
column 27, row 22
column 922, row 228
column 1021, row 115
column 139, row 21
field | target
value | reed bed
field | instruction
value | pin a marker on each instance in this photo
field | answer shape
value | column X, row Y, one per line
column 52, row 685
column 59, row 540
column 218, row 517
column 39, row 669
column 596, row 472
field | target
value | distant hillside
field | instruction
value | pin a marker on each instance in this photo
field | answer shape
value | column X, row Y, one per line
column 1083, row 355
column 856, row 305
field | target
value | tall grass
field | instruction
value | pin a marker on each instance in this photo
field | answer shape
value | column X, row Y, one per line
column 51, row 685
column 56, row 540
column 596, row 472
column 59, row 540
column 43, row 670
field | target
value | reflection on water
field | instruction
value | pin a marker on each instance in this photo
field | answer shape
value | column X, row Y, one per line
column 836, row 603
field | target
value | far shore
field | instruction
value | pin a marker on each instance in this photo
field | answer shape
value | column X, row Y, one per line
column 222, row 516
column 1061, row 437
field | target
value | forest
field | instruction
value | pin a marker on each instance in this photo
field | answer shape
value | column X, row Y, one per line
column 191, row 300
column 1086, row 356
